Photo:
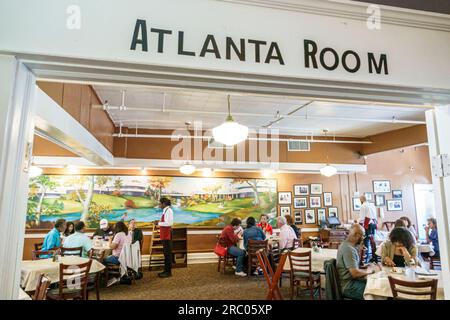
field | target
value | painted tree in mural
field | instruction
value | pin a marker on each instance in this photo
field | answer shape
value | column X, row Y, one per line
column 45, row 184
column 158, row 184
column 118, row 184
column 85, row 198
column 213, row 190
column 252, row 184
column 101, row 182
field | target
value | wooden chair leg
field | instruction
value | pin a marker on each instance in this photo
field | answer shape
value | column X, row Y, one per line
column 97, row 285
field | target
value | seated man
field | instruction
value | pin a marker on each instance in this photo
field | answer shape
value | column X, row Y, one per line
column 230, row 239
column 352, row 278
column 105, row 231
column 53, row 239
column 252, row 232
column 287, row 234
column 264, row 224
column 79, row 239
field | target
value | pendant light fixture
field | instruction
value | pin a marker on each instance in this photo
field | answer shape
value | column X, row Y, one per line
column 187, row 169
column 230, row 132
column 35, row 171
column 328, row 170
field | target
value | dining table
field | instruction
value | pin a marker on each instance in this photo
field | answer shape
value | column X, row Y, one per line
column 31, row 269
column 378, row 287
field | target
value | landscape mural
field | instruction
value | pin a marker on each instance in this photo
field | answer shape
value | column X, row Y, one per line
column 197, row 202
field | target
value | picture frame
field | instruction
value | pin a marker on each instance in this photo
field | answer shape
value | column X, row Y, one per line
column 333, row 212
column 380, row 200
column 397, row 194
column 356, row 202
column 316, row 189
column 328, row 199
column 381, row 186
column 310, row 216
column 321, row 215
column 300, row 202
column 315, row 202
column 301, row 190
column 284, row 197
column 395, row 205
column 298, row 216
column 369, row 196
column 285, row 210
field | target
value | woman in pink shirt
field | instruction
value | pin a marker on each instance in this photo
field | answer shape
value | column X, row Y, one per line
column 121, row 237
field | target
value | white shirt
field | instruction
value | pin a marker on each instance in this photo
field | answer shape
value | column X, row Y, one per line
column 168, row 218
column 287, row 236
column 367, row 211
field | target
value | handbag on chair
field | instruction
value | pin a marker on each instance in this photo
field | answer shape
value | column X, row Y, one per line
column 220, row 250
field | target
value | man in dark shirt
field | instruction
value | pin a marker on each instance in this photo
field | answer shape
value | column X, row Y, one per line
column 136, row 233
column 104, row 230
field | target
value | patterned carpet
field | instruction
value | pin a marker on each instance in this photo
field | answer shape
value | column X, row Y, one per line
column 196, row 282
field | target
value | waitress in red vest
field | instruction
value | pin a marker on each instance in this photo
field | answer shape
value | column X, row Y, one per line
column 165, row 230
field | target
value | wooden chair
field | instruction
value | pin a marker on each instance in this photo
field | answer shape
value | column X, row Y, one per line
column 413, row 289
column 94, row 279
column 75, row 251
column 302, row 275
column 38, row 246
column 271, row 277
column 253, row 247
column 435, row 263
column 41, row 287
column 226, row 260
column 41, row 254
column 73, row 281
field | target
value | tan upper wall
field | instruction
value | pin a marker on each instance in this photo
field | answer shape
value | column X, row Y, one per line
column 80, row 101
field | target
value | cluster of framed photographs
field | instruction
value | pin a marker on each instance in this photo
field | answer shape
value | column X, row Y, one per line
column 306, row 201
column 380, row 189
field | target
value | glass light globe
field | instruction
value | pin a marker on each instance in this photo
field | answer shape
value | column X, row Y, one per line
column 35, row 171
column 230, row 132
column 328, row 171
column 187, row 169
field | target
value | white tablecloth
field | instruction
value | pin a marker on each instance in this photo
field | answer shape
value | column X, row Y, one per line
column 378, row 287
column 23, row 295
column 32, row 269
column 317, row 258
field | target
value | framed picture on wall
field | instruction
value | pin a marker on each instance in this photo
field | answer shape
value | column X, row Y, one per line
column 301, row 189
column 284, row 197
column 298, row 216
column 316, row 188
column 300, row 202
column 315, row 202
column 310, row 216
column 397, row 194
column 380, row 200
column 356, row 204
column 395, row 205
column 369, row 196
column 285, row 210
column 333, row 212
column 321, row 215
column 327, row 199
column 381, row 186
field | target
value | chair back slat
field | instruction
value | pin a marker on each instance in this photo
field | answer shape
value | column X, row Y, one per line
column 408, row 290
column 75, row 251
column 300, row 261
column 41, row 287
column 256, row 245
column 74, row 277
column 41, row 254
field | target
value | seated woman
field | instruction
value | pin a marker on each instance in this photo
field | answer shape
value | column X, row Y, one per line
column 230, row 239
column 252, row 232
column 290, row 221
column 121, row 237
column 400, row 250
column 410, row 227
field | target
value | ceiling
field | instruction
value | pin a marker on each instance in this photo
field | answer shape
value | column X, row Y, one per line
column 163, row 108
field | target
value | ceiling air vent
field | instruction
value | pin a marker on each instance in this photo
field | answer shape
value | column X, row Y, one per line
column 298, row 145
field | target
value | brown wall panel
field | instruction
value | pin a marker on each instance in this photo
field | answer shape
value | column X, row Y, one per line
column 86, row 93
column 43, row 147
column 72, row 100
column 53, row 89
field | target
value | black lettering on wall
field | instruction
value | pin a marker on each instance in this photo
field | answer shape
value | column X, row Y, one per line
column 210, row 40
column 322, row 59
column 181, row 45
column 239, row 52
column 277, row 55
column 257, row 44
column 382, row 64
column 140, row 28
column 310, row 48
column 161, row 33
column 344, row 61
